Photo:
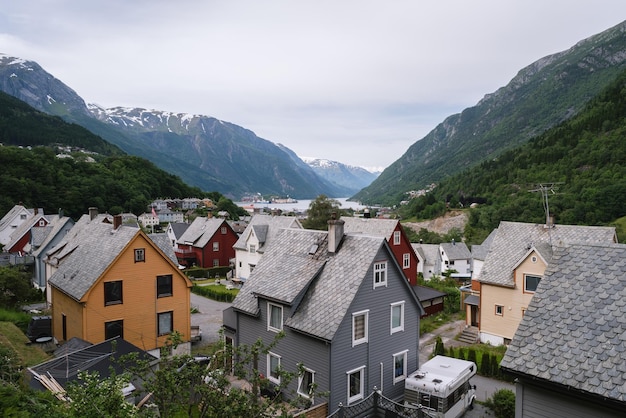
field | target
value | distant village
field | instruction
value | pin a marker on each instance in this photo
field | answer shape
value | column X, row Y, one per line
column 347, row 300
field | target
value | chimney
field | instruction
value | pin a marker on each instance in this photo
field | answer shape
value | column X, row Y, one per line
column 335, row 233
column 117, row 221
column 93, row 212
column 209, row 213
column 366, row 213
column 36, row 211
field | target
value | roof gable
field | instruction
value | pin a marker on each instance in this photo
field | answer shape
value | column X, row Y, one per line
column 574, row 329
column 514, row 239
column 456, row 250
column 272, row 226
column 201, row 231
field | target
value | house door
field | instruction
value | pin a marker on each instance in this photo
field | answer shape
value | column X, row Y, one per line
column 474, row 315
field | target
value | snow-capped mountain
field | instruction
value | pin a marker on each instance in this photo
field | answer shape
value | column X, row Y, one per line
column 353, row 177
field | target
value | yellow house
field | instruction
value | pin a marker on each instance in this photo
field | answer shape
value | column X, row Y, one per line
column 113, row 280
column 513, row 267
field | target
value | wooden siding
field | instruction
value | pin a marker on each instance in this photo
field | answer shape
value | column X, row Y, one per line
column 399, row 250
column 73, row 311
column 139, row 305
column 535, row 402
column 381, row 343
column 293, row 349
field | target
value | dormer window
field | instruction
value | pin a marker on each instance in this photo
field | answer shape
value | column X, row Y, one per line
column 274, row 317
column 380, row 274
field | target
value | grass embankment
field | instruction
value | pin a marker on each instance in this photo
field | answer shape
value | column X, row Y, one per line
column 11, row 336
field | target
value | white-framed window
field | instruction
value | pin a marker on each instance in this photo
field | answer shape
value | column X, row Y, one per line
column 397, row 317
column 273, row 368
column 216, row 246
column 252, row 249
column 359, row 327
column 406, row 261
column 306, row 379
column 274, row 317
column 530, row 283
column 380, row 274
column 399, row 366
column 223, row 230
column 499, row 310
column 216, row 262
column 140, row 255
column 396, row 237
column 356, row 384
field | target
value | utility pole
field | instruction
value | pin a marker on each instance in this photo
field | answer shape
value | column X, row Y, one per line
column 546, row 189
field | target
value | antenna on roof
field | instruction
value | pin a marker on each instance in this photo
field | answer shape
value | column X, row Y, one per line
column 546, row 189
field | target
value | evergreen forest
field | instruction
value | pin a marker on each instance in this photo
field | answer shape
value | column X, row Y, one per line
column 583, row 161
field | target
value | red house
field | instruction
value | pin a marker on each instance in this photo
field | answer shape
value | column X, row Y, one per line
column 392, row 231
column 20, row 240
column 208, row 242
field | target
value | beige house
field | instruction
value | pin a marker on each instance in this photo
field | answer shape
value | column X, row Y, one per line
column 512, row 270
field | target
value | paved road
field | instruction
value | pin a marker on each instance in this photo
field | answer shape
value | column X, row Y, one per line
column 209, row 318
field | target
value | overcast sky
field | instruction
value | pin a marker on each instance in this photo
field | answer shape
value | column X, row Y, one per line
column 354, row 81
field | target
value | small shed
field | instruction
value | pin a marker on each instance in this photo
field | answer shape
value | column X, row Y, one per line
column 432, row 300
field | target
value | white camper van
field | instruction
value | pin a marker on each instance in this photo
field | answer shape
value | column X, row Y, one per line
column 441, row 387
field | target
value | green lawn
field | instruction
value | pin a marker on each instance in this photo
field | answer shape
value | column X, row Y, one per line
column 29, row 354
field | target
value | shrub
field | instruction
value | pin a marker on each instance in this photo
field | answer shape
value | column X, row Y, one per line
column 439, row 348
column 218, row 293
column 502, row 403
column 495, row 367
column 485, row 364
column 471, row 355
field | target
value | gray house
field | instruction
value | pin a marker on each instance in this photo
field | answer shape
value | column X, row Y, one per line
column 569, row 354
column 348, row 313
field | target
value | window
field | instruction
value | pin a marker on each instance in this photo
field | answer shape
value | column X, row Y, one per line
column 274, row 317
column 164, row 285
column 165, row 322
column 216, row 246
column 252, row 249
column 399, row 366
column 114, row 329
column 273, row 367
column 406, row 261
column 223, row 230
column 396, row 237
column 397, row 317
column 499, row 310
column 216, row 262
column 531, row 283
column 113, row 293
column 355, row 384
column 22, row 216
column 380, row 274
column 140, row 255
column 306, row 379
column 359, row 327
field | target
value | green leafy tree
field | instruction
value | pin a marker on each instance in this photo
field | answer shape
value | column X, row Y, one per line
column 93, row 397
column 502, row 403
column 15, row 288
column 320, row 212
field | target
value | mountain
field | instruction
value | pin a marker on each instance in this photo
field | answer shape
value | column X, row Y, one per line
column 351, row 177
column 540, row 96
column 203, row 151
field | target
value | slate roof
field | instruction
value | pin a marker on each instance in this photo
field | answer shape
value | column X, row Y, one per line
column 479, row 252
column 89, row 250
column 319, row 286
column 513, row 240
column 456, row 250
column 427, row 293
column 370, row 226
column 201, row 231
column 24, row 228
column 574, row 330
column 178, row 228
column 430, row 252
column 11, row 214
column 267, row 226
column 163, row 242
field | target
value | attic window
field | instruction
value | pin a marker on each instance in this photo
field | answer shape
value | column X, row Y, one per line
column 140, row 255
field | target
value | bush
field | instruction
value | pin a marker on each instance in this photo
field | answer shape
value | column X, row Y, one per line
column 485, row 364
column 471, row 355
column 439, row 348
column 502, row 403
column 218, row 293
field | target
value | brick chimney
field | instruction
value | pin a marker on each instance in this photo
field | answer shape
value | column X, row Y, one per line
column 117, row 221
column 335, row 233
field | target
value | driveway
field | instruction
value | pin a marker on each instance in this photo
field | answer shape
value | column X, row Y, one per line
column 209, row 318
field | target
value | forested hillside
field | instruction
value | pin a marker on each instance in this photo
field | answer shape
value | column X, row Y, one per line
column 585, row 157
column 22, row 125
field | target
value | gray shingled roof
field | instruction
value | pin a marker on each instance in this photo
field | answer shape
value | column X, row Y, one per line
column 273, row 224
column 370, row 226
column 178, row 228
column 479, row 252
column 513, row 240
column 320, row 286
column 201, row 231
column 88, row 251
column 429, row 251
column 163, row 242
column 574, row 331
column 456, row 250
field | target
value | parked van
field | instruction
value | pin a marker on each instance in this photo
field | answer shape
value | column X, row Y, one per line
column 39, row 327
